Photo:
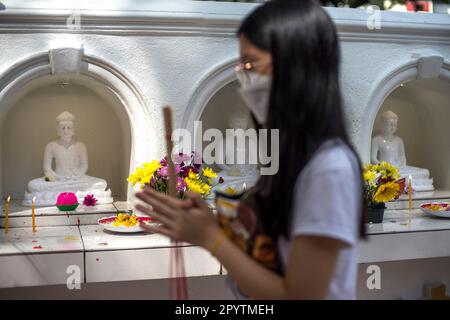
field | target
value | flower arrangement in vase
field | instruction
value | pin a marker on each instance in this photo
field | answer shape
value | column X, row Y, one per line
column 382, row 184
column 191, row 176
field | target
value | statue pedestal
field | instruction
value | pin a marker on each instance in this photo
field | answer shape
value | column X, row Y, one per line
column 421, row 181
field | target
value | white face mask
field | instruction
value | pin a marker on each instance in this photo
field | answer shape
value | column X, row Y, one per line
column 255, row 91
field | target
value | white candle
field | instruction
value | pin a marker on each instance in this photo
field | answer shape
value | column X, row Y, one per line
column 7, row 213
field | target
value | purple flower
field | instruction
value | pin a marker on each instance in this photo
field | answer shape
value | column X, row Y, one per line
column 89, row 200
column 180, row 157
column 164, row 171
column 163, row 161
column 185, row 171
column 196, row 168
column 181, row 185
column 197, row 158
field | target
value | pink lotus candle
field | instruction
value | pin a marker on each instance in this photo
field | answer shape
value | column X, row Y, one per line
column 67, row 201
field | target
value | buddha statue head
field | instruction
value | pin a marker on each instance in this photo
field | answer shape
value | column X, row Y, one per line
column 390, row 121
column 66, row 126
column 238, row 120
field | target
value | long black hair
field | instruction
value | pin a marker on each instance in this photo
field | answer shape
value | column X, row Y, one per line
column 305, row 99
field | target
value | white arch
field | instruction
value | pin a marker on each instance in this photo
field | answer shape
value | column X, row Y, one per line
column 403, row 74
column 207, row 88
column 115, row 80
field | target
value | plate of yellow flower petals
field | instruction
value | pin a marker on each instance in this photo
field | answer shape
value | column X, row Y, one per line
column 124, row 223
column 438, row 209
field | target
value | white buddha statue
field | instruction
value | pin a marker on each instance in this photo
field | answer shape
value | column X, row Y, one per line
column 233, row 172
column 69, row 174
column 389, row 147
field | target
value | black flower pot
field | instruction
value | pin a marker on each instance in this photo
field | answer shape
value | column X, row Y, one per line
column 375, row 215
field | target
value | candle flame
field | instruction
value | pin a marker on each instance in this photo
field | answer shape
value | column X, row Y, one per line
column 34, row 199
column 9, row 199
column 244, row 186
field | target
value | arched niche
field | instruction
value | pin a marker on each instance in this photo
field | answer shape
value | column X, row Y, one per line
column 98, row 79
column 423, row 107
column 218, row 78
column 427, row 67
column 101, row 124
column 220, row 107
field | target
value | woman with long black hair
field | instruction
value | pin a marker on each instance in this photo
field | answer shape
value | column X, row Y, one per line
column 313, row 207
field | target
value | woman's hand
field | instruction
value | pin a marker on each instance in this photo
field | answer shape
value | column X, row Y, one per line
column 189, row 220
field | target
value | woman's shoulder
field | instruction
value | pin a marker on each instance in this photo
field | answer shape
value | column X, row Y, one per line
column 333, row 155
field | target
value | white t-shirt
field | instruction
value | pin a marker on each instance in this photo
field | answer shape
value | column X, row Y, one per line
column 327, row 202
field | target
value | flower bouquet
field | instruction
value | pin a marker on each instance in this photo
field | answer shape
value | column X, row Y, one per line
column 382, row 184
column 190, row 174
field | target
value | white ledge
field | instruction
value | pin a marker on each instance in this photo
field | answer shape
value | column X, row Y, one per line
column 203, row 19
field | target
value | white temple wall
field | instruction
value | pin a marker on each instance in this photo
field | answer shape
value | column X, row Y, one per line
column 184, row 55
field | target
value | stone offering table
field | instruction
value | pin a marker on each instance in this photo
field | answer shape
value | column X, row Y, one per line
column 100, row 255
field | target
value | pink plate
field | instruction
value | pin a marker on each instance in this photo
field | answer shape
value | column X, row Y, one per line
column 106, row 223
column 444, row 212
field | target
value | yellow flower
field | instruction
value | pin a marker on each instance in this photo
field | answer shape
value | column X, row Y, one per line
column 370, row 176
column 386, row 192
column 390, row 170
column 151, row 167
column 145, row 179
column 133, row 179
column 209, row 173
column 383, row 173
column 371, row 167
column 144, row 173
column 126, row 220
column 206, row 189
column 192, row 175
column 194, row 185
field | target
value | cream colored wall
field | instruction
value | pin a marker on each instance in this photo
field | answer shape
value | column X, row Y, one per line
column 30, row 124
column 423, row 107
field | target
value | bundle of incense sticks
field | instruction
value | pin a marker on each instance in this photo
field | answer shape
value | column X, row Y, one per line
column 176, row 264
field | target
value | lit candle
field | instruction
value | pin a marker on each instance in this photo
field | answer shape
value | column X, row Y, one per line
column 410, row 192
column 33, row 221
column 7, row 213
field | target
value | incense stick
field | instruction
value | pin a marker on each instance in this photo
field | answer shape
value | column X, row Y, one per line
column 176, row 255
column 171, row 187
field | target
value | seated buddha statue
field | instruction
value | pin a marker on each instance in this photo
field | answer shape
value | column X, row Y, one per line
column 234, row 171
column 69, row 175
column 389, row 147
